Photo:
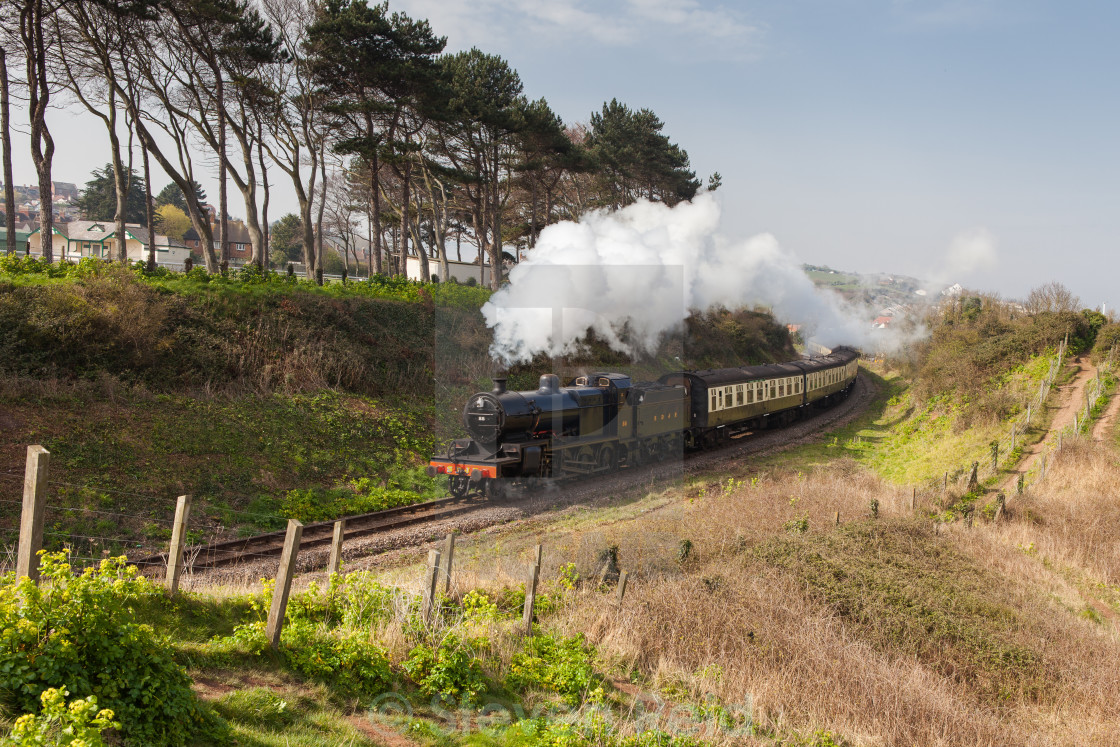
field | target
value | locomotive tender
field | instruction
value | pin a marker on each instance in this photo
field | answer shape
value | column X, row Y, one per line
column 604, row 420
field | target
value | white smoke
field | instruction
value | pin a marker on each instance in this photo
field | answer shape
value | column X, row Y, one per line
column 644, row 267
column 971, row 251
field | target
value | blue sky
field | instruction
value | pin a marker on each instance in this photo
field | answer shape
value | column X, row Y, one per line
column 864, row 134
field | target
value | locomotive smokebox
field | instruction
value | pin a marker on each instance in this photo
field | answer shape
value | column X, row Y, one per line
column 499, row 385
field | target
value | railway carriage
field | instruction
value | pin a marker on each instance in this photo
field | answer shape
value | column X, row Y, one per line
column 603, row 420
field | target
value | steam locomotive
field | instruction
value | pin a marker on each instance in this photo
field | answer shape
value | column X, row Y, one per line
column 604, row 421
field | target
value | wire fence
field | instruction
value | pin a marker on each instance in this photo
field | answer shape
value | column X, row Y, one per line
column 94, row 532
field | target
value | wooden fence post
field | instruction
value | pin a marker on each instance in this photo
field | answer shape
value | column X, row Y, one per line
column 431, row 575
column 284, row 575
column 34, row 509
column 448, row 559
column 334, row 564
column 530, row 599
column 622, row 579
column 178, row 538
column 837, row 517
column 913, row 498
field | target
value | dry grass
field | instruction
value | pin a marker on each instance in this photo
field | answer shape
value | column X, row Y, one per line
column 886, row 631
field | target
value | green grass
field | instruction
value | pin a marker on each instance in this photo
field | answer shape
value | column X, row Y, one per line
column 265, row 717
column 910, row 442
column 242, row 459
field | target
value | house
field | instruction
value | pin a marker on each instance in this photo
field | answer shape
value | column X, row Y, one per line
column 21, row 240
column 462, row 272
column 882, row 322
column 91, row 238
column 237, row 239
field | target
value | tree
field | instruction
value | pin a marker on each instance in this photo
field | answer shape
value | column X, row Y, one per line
column 99, row 199
column 370, row 66
column 546, row 155
column 1052, row 296
column 487, row 111
column 287, row 240
column 88, row 71
column 6, row 146
column 298, row 126
column 204, row 45
column 34, row 18
column 636, row 160
column 172, row 195
column 172, row 221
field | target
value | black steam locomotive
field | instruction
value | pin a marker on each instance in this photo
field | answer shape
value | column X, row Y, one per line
column 604, row 421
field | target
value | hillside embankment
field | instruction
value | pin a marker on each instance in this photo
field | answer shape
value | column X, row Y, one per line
column 263, row 397
column 837, row 593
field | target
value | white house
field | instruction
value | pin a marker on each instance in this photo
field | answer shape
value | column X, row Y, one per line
column 461, row 271
column 92, row 238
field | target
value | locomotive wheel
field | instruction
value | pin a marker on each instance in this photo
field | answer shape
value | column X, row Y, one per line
column 607, row 459
column 459, row 485
column 585, row 460
column 637, row 456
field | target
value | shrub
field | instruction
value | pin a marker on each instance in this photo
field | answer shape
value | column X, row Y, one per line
column 450, row 671
column 562, row 666
column 79, row 724
column 347, row 662
column 78, row 632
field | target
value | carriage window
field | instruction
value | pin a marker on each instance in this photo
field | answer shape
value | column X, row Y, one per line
column 721, row 398
column 739, row 395
column 713, row 407
column 782, row 388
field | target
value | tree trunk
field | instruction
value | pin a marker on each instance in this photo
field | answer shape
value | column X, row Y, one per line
column 405, row 222
column 369, row 242
column 496, row 240
column 148, row 214
column 375, row 215
column 42, row 144
column 6, row 145
column 121, row 178
column 322, row 207
column 200, row 219
column 223, row 236
column 264, row 203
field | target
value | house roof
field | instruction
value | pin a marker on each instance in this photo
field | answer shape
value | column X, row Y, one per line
column 100, row 230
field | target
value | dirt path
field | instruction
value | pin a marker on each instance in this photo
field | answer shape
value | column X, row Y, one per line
column 1105, row 428
column 1070, row 402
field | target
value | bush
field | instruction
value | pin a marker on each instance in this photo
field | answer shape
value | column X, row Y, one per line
column 347, row 662
column 450, row 671
column 78, row 632
column 562, row 666
column 79, row 724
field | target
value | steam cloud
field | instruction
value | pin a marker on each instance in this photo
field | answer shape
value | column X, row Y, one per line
column 642, row 268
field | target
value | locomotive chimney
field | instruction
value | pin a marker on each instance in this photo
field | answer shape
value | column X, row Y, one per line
column 499, row 385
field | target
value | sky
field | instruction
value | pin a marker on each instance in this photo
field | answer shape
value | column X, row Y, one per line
column 952, row 140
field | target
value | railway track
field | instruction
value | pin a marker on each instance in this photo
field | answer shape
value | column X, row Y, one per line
column 229, row 552
column 263, row 546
